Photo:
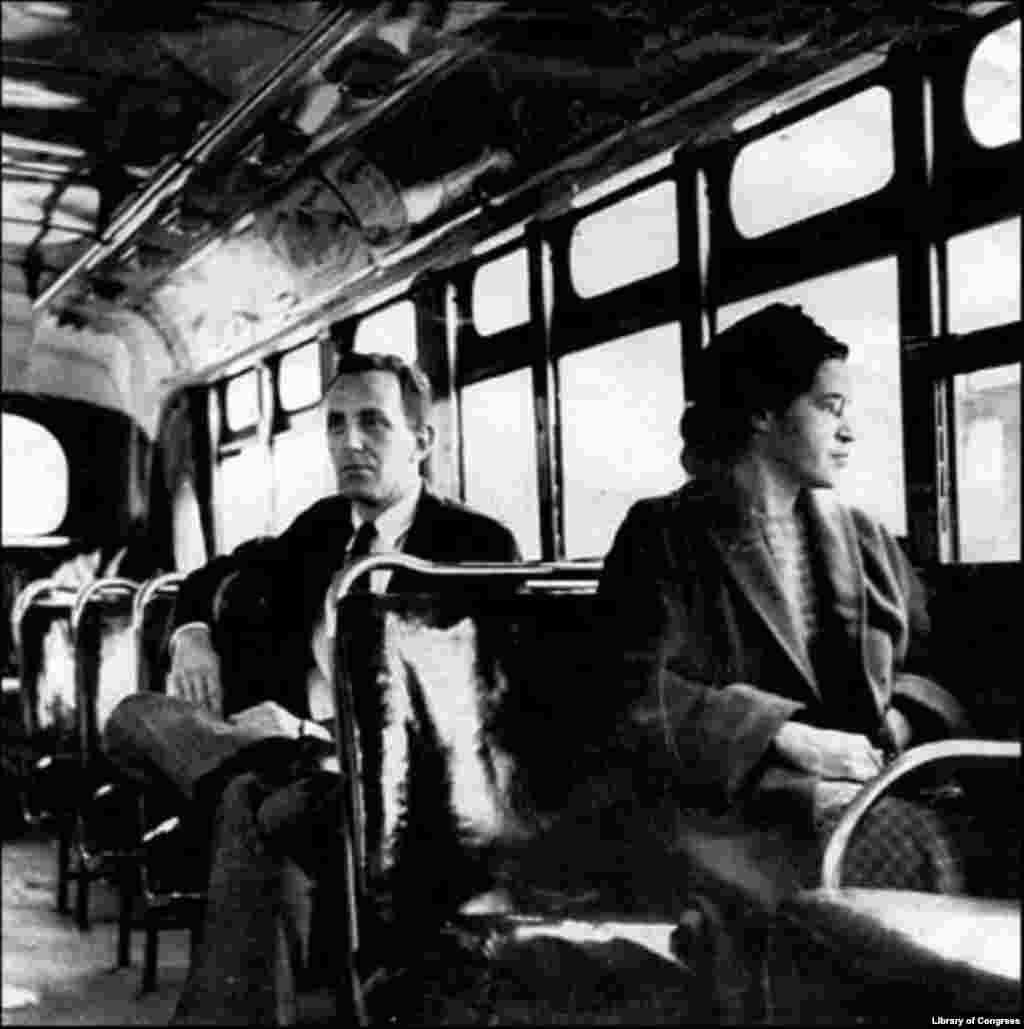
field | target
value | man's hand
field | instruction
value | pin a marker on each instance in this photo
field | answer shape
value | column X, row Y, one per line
column 195, row 670
column 268, row 719
column 829, row 753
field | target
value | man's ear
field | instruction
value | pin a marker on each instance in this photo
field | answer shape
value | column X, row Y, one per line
column 426, row 436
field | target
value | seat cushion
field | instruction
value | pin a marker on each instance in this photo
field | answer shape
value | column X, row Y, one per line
column 970, row 944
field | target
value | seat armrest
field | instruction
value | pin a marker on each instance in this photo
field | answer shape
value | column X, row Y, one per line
column 942, row 752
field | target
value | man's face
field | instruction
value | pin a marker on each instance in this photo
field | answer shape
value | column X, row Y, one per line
column 375, row 452
column 809, row 442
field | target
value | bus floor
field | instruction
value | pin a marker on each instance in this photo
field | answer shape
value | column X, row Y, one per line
column 53, row 974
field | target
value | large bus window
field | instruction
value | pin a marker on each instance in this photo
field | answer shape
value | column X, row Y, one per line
column 860, row 307
column 500, row 454
column 621, row 403
column 35, row 478
column 630, row 240
column 988, row 463
column 984, row 277
column 501, row 296
column 832, row 157
column 992, row 88
column 298, row 377
column 242, row 401
column 243, row 504
column 392, row 330
column 301, row 469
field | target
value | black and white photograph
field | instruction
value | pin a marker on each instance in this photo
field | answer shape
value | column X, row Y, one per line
column 511, row 513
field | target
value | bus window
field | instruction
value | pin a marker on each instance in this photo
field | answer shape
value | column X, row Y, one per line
column 984, row 277
column 621, row 403
column 859, row 306
column 630, row 240
column 992, row 88
column 35, row 478
column 298, row 382
column 301, row 468
column 187, row 529
column 242, row 401
column 500, row 454
column 501, row 297
column 243, row 504
column 988, row 463
column 828, row 159
column 391, row 330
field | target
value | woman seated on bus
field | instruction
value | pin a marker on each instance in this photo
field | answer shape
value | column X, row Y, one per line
column 770, row 630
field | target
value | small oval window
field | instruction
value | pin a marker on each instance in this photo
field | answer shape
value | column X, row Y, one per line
column 992, row 87
column 35, row 478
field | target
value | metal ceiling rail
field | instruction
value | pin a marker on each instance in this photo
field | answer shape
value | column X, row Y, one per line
column 337, row 29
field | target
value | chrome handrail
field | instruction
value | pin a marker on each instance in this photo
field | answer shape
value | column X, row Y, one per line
column 528, row 571
column 62, row 597
column 168, row 582
column 112, row 588
column 917, row 757
column 159, row 585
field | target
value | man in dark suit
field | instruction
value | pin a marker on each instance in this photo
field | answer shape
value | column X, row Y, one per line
column 242, row 768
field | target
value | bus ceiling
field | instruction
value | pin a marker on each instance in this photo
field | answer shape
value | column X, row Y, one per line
column 297, row 157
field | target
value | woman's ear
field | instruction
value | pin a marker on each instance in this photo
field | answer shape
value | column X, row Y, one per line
column 761, row 421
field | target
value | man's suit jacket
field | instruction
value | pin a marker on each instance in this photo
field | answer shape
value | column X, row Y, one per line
column 290, row 574
column 701, row 636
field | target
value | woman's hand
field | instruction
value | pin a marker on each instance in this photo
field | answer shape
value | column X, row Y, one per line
column 829, row 753
column 899, row 729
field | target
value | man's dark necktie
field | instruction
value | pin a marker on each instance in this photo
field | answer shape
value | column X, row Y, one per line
column 362, row 545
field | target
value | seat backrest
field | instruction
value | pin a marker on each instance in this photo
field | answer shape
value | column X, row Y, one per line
column 152, row 619
column 255, row 663
column 975, row 638
column 40, row 622
column 106, row 664
column 468, row 712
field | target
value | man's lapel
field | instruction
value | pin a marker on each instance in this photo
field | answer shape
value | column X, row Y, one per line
column 422, row 540
column 748, row 561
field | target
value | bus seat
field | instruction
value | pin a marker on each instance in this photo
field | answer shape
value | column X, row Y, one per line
column 152, row 617
column 456, row 718
column 171, row 888
column 104, row 831
column 245, row 635
column 168, row 889
column 40, row 619
column 973, row 640
column 963, row 950
column 459, row 711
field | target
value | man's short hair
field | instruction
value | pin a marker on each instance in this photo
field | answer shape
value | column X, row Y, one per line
column 417, row 397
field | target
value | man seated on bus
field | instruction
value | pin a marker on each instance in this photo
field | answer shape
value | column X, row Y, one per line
column 243, row 769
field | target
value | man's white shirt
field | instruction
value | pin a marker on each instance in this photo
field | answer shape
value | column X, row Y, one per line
column 393, row 527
